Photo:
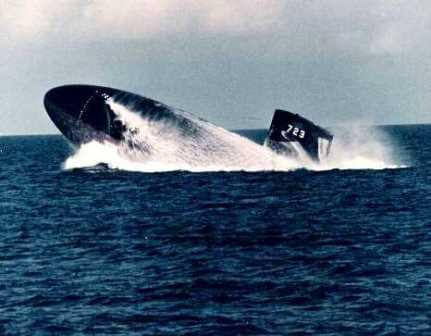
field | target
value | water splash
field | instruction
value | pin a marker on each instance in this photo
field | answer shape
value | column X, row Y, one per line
column 361, row 147
column 157, row 145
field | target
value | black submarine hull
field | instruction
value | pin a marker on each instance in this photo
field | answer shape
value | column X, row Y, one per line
column 83, row 113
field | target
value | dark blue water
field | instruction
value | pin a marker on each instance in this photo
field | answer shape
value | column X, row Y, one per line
column 107, row 252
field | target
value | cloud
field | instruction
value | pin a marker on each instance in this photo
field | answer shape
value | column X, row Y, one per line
column 146, row 19
column 355, row 28
column 133, row 19
column 28, row 19
column 368, row 27
column 232, row 58
column 243, row 16
column 400, row 28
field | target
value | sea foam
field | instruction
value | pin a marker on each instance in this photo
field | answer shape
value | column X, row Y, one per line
column 164, row 145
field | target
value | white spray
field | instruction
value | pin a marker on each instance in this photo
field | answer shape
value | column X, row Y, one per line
column 162, row 145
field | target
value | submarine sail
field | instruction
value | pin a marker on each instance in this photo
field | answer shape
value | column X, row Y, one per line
column 290, row 133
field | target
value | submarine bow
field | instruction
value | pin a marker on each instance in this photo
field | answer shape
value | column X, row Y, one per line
column 83, row 113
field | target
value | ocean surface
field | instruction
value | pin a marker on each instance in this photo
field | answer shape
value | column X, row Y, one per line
column 95, row 244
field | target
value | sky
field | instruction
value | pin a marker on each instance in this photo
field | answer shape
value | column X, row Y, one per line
column 231, row 62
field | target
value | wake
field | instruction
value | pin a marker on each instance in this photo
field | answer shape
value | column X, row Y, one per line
column 171, row 144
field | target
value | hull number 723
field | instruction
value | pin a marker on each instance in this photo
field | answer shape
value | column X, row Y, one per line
column 295, row 131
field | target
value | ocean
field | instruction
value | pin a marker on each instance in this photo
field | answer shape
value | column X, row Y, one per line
column 95, row 243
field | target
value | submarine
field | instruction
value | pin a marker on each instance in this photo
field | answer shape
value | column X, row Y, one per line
column 83, row 113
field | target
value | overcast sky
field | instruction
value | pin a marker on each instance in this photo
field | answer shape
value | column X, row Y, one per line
column 231, row 62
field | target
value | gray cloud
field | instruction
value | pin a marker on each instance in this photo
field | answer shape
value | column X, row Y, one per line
column 231, row 62
column 378, row 26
